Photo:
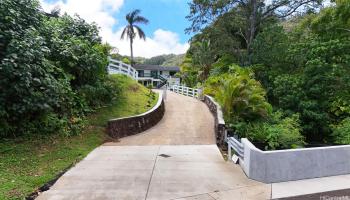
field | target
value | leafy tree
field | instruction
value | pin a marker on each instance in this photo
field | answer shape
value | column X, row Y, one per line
column 341, row 132
column 133, row 18
column 32, row 89
column 15, row 22
column 277, row 132
column 188, row 73
column 52, row 71
column 173, row 60
column 270, row 47
column 75, row 47
column 310, row 76
column 253, row 13
column 202, row 57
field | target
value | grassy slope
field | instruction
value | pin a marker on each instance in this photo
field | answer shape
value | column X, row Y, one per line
column 26, row 164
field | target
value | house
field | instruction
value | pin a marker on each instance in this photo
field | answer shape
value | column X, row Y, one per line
column 156, row 75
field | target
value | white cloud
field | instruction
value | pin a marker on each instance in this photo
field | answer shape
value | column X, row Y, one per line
column 162, row 42
column 101, row 12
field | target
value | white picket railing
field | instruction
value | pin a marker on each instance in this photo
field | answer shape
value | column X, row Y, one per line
column 192, row 92
column 118, row 67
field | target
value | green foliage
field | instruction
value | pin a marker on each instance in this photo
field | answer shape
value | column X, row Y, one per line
column 202, row 57
column 157, row 60
column 78, row 50
column 270, row 46
column 188, row 73
column 102, row 93
column 133, row 98
column 248, row 113
column 16, row 18
column 52, row 71
column 173, row 60
column 126, row 60
column 241, row 96
column 27, row 164
column 341, row 132
column 332, row 22
column 311, row 75
column 277, row 132
column 301, row 62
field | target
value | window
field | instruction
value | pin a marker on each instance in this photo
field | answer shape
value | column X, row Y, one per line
column 141, row 73
column 154, row 73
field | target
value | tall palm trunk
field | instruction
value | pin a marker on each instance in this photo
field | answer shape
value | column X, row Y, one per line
column 131, row 52
column 132, row 29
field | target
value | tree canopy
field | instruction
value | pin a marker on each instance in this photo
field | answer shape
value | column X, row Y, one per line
column 52, row 69
column 298, row 53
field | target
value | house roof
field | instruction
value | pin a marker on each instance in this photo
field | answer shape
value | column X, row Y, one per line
column 156, row 67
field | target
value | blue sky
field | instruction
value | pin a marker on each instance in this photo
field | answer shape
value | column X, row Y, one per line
column 165, row 32
column 166, row 14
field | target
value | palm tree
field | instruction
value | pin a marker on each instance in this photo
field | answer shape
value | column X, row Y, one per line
column 132, row 29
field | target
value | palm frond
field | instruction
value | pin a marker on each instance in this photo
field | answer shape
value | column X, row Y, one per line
column 140, row 32
column 141, row 20
column 125, row 33
column 135, row 12
column 130, row 17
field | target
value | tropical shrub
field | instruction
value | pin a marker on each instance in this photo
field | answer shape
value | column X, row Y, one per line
column 52, row 71
column 277, row 132
column 341, row 132
column 241, row 96
column 305, row 69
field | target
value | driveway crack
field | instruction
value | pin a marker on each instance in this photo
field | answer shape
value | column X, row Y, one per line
column 154, row 166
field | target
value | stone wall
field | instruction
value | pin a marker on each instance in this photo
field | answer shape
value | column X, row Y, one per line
column 122, row 127
column 294, row 164
column 220, row 126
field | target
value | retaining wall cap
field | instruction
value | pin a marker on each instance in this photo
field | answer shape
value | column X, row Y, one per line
column 252, row 146
column 159, row 102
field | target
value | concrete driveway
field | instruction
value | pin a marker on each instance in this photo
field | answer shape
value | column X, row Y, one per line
column 176, row 159
column 186, row 121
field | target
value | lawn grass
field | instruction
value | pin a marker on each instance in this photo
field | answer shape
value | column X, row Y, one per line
column 135, row 99
column 27, row 164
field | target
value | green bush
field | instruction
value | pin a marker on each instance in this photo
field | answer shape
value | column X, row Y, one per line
column 240, row 95
column 341, row 132
column 247, row 111
column 277, row 132
column 102, row 93
column 52, row 71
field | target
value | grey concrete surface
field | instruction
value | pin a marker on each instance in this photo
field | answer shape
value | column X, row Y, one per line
column 176, row 159
column 311, row 186
column 186, row 121
column 295, row 164
column 139, row 172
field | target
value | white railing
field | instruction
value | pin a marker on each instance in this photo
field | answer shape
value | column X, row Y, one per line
column 118, row 67
column 237, row 147
column 192, row 92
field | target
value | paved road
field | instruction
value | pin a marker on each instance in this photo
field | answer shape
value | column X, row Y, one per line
column 186, row 121
column 176, row 159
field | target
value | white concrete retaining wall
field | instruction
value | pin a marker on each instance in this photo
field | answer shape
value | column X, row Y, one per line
column 294, row 164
